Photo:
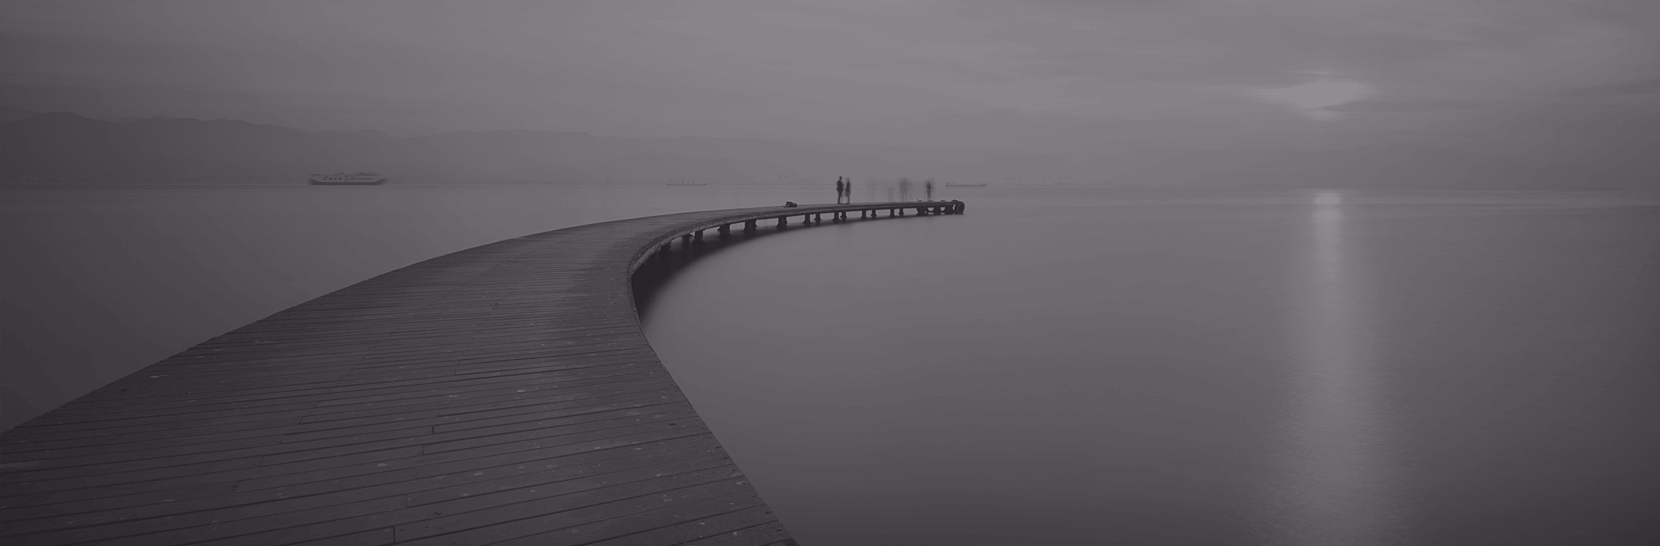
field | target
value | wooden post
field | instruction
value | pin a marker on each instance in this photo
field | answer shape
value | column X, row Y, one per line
column 783, row 221
column 749, row 226
column 697, row 236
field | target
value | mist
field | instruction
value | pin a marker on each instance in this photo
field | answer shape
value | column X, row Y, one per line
column 1125, row 93
column 1307, row 272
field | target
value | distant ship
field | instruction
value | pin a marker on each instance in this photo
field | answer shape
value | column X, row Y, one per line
column 360, row 178
column 964, row 185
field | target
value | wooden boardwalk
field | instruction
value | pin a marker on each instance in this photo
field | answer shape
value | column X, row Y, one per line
column 498, row 395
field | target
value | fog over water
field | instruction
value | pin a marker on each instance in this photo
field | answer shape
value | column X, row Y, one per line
column 1190, row 367
column 1287, row 367
column 1311, row 272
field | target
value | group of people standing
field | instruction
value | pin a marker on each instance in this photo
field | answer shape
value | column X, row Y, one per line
column 844, row 189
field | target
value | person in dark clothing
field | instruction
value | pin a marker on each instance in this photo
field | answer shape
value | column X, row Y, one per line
column 930, row 187
column 839, row 190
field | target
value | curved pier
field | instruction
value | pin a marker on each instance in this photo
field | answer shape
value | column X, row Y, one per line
column 501, row 394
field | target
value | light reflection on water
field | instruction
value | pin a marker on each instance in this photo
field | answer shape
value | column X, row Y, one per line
column 1190, row 368
column 1334, row 484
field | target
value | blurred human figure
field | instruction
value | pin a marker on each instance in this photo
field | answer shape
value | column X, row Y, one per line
column 840, row 190
column 904, row 189
column 929, row 186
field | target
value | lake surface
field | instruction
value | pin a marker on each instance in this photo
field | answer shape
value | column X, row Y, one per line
column 1055, row 367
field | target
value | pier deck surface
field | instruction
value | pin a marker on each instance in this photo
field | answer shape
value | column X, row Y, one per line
column 503, row 394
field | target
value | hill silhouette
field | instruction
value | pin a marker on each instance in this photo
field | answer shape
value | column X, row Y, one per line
column 65, row 148
column 69, row 148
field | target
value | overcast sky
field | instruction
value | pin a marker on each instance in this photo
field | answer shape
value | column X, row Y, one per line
column 976, row 73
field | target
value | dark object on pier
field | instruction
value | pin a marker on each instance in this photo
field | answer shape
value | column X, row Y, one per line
column 791, row 204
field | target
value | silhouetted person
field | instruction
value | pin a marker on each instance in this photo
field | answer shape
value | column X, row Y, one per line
column 930, row 187
column 840, row 189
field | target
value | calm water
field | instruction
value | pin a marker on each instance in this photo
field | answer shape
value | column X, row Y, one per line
column 1055, row 367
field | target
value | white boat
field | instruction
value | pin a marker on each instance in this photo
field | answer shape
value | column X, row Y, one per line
column 360, row 178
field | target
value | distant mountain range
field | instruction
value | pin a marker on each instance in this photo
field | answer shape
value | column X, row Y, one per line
column 59, row 148
column 69, row 148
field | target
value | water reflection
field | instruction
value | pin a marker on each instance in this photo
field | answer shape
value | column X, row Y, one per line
column 1334, row 480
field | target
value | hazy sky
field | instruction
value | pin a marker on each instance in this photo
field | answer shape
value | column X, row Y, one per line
column 1016, row 74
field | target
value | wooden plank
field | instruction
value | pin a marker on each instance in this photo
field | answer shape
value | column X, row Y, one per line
column 500, row 394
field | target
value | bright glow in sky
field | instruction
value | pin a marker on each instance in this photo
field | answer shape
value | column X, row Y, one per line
column 1310, row 97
